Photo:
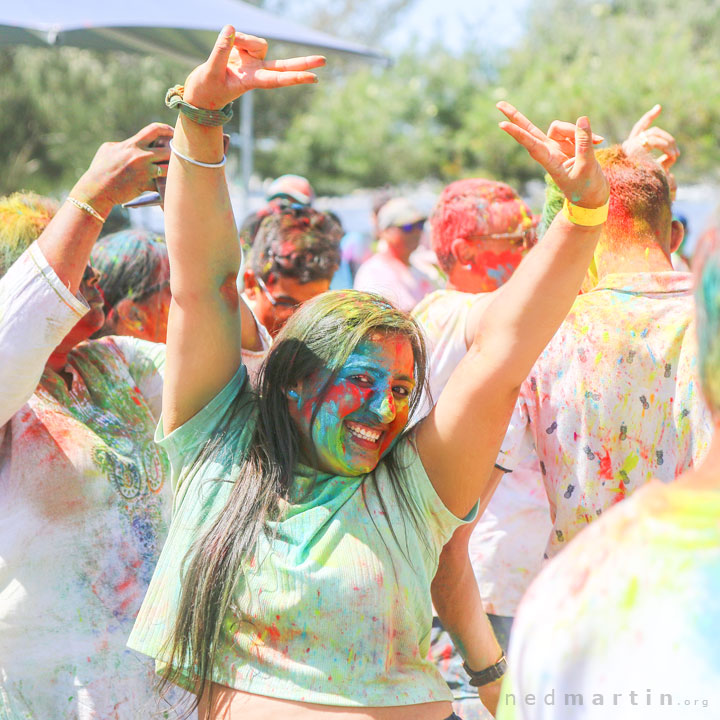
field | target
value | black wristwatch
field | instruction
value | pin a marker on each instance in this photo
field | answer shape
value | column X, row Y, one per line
column 478, row 678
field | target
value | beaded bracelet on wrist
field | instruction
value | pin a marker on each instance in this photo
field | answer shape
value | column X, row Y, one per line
column 212, row 118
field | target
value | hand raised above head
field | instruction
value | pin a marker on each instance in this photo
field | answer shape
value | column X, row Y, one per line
column 644, row 137
column 121, row 170
column 571, row 163
column 237, row 64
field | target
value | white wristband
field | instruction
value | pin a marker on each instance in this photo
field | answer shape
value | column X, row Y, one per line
column 197, row 162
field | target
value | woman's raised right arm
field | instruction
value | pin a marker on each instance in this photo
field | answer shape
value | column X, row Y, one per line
column 203, row 341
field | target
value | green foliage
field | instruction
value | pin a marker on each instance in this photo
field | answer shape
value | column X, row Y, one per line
column 430, row 115
column 60, row 104
column 613, row 61
column 387, row 125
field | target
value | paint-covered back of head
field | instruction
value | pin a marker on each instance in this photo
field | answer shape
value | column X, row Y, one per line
column 639, row 198
column 475, row 207
column 132, row 265
column 706, row 266
column 297, row 242
column 23, row 217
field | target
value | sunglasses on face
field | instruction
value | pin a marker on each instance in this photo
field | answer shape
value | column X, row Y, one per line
column 521, row 239
column 283, row 303
column 419, row 225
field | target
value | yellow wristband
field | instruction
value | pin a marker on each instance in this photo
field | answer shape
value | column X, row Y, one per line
column 85, row 207
column 588, row 217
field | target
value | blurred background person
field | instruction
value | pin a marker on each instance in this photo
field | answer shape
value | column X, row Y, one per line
column 356, row 247
column 134, row 277
column 294, row 256
column 391, row 271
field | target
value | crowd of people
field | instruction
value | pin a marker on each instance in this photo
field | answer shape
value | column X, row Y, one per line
column 269, row 472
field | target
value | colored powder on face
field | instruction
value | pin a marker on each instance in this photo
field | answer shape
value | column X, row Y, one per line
column 475, row 207
column 368, row 395
column 497, row 267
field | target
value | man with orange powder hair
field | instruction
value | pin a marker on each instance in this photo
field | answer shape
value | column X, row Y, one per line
column 612, row 400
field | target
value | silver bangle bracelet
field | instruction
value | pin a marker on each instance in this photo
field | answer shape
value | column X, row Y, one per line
column 197, row 162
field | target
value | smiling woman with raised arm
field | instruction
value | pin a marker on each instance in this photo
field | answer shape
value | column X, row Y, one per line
column 295, row 582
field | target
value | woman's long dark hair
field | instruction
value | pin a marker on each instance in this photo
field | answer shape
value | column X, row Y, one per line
column 323, row 333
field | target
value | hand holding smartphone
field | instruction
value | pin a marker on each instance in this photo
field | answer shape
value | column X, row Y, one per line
column 150, row 198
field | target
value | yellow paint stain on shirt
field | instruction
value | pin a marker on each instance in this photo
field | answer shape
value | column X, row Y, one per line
column 630, row 463
column 630, row 595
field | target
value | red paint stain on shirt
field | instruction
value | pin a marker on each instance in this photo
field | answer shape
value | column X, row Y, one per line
column 605, row 465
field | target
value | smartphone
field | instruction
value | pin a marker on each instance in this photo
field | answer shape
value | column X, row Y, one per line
column 158, row 197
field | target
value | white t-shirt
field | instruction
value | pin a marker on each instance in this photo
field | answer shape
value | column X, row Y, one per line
column 84, row 507
column 613, row 400
column 403, row 285
column 253, row 359
column 506, row 546
column 626, row 619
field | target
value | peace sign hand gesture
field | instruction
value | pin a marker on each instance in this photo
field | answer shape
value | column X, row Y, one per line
column 237, row 64
column 570, row 160
column 645, row 137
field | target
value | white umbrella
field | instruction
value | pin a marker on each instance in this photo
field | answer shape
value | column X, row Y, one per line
column 183, row 29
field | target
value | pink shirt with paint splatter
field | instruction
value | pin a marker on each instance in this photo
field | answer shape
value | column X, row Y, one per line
column 84, row 507
column 624, row 623
column 403, row 285
column 612, row 401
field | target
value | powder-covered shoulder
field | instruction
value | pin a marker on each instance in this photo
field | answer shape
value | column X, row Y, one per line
column 146, row 364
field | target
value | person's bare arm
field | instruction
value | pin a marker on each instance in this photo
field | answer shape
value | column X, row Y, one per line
column 460, row 438
column 204, row 325
column 459, row 606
